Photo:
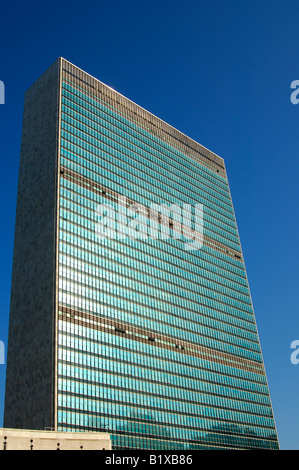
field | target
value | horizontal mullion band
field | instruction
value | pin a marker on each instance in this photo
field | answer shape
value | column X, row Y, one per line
column 122, row 329
column 113, row 196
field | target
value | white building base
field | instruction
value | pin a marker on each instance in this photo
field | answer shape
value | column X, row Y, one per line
column 23, row 439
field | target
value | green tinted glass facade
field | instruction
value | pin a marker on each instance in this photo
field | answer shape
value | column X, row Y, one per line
column 141, row 331
column 156, row 343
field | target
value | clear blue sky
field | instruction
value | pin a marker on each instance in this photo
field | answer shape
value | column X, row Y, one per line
column 217, row 70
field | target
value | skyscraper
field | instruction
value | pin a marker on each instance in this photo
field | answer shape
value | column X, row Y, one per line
column 130, row 305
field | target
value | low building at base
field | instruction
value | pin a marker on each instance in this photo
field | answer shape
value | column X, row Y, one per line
column 24, row 439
